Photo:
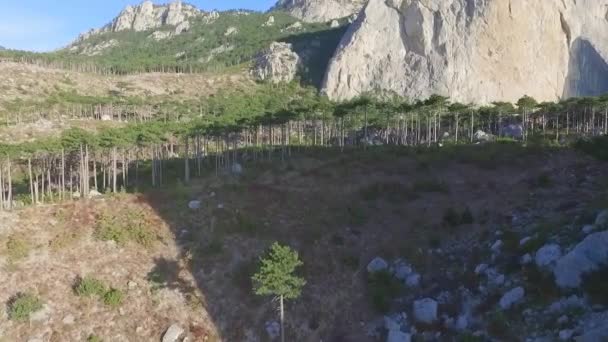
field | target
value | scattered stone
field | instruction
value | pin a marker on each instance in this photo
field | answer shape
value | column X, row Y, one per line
column 237, row 169
column 462, row 323
column 377, row 265
column 43, row 315
column 481, row 268
column 402, row 270
column 68, row 320
column 413, row 280
column 526, row 259
column 398, row 336
column 131, row 284
column 334, row 24
column 194, row 205
column 566, row 335
column 425, row 310
column 601, row 221
column 586, row 257
column 562, row 320
column 269, row 22
column 94, row 194
column 494, row 277
column 230, row 31
column 173, row 333
column 273, row 329
column 548, row 255
column 588, row 229
column 524, row 241
column 511, row 298
column 497, row 246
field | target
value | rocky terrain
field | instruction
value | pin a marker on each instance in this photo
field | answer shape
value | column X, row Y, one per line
column 478, row 51
column 479, row 243
column 147, row 16
column 320, row 10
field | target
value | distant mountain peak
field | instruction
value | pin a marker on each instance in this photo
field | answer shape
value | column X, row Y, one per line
column 148, row 16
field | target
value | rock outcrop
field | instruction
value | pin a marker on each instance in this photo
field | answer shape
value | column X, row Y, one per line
column 278, row 63
column 320, row 10
column 474, row 51
column 148, row 16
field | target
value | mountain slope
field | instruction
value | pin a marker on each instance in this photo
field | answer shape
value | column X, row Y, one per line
column 474, row 51
column 181, row 38
column 320, row 10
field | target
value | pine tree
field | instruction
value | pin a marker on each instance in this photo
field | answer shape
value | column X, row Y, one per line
column 276, row 277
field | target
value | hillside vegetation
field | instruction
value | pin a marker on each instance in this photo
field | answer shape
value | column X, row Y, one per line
column 231, row 39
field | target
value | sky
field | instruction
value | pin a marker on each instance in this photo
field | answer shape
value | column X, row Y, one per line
column 45, row 25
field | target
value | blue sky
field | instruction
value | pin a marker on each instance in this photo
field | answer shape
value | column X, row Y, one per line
column 44, row 25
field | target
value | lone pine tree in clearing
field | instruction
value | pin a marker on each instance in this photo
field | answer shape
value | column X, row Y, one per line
column 276, row 277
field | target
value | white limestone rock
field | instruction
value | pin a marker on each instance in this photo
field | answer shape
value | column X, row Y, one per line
column 511, row 298
column 320, row 10
column 586, row 257
column 425, row 310
column 278, row 63
column 474, row 51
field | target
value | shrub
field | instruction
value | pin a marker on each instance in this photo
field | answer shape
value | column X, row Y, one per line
column 498, row 325
column 453, row 218
column 430, row 185
column 94, row 338
column 543, row 180
column 113, row 298
column 123, row 227
column 89, row 287
column 467, row 216
column 23, row 305
column 382, row 287
column 392, row 191
column 17, row 248
column 596, row 286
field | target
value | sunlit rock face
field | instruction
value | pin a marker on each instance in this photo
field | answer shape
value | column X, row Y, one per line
column 474, row 50
column 320, row 10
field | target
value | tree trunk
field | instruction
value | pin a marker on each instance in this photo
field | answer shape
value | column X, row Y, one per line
column 114, row 171
column 282, row 310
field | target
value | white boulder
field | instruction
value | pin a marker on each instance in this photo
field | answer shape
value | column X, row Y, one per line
column 173, row 333
column 586, row 257
column 425, row 310
column 398, row 336
column 511, row 298
column 377, row 265
column 548, row 255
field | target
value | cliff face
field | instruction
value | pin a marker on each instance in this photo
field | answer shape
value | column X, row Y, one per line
column 147, row 16
column 320, row 10
column 474, row 50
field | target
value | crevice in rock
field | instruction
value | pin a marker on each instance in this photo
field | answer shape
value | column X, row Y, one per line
column 565, row 28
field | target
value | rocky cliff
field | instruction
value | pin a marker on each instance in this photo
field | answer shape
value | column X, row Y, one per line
column 320, row 10
column 147, row 16
column 474, row 50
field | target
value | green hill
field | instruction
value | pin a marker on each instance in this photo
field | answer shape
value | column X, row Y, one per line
column 231, row 40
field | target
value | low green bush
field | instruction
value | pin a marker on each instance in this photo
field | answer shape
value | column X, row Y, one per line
column 595, row 286
column 23, row 305
column 383, row 288
column 89, row 287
